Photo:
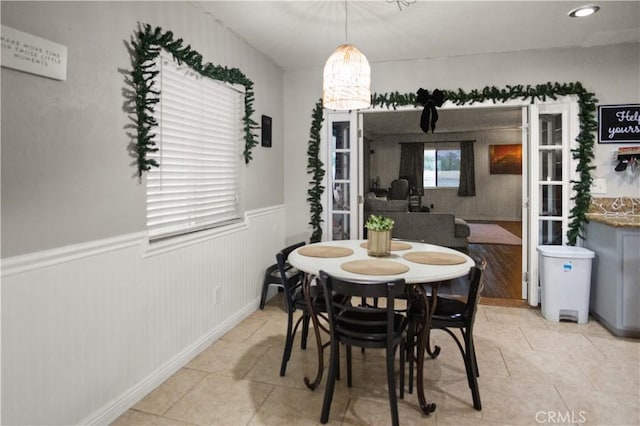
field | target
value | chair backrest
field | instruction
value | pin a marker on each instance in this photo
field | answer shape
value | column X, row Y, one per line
column 290, row 281
column 475, row 288
column 360, row 325
column 399, row 190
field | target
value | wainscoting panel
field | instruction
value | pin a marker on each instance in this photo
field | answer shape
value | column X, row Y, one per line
column 89, row 330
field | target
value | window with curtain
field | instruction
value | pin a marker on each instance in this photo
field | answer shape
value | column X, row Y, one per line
column 199, row 140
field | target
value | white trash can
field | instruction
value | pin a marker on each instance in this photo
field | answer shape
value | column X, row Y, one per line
column 565, row 282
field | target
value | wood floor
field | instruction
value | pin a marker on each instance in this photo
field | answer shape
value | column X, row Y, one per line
column 503, row 274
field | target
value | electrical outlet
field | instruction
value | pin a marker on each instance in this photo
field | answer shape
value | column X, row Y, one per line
column 217, row 295
column 599, row 186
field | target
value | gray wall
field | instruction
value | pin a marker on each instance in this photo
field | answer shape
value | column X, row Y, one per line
column 67, row 176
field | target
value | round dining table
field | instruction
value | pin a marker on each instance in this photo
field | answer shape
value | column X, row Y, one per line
column 422, row 266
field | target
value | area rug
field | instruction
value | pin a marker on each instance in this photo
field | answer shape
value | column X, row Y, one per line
column 485, row 233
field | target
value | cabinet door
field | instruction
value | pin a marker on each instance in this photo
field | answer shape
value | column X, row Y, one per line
column 630, row 297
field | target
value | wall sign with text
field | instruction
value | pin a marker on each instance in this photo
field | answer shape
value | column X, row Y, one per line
column 25, row 52
column 619, row 123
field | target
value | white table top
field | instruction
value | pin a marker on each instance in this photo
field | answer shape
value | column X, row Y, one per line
column 417, row 273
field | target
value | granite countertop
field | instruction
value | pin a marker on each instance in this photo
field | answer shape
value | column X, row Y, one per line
column 616, row 220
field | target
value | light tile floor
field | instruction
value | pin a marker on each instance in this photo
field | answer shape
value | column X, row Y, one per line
column 532, row 371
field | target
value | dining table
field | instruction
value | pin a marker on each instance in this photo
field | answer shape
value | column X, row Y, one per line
column 422, row 266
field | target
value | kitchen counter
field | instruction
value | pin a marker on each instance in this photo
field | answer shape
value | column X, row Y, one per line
column 615, row 220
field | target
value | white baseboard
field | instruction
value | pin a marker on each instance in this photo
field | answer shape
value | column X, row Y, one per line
column 128, row 399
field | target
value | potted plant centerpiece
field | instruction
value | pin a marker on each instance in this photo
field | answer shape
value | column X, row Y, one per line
column 379, row 235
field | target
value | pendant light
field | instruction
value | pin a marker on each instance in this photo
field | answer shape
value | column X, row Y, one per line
column 346, row 83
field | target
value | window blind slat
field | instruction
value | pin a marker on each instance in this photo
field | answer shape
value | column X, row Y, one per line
column 200, row 140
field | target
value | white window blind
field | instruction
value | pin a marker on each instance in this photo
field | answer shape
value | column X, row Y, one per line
column 199, row 140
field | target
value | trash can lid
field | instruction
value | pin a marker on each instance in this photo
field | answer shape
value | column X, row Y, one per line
column 570, row 252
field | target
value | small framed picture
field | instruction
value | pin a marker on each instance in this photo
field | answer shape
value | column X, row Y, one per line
column 266, row 131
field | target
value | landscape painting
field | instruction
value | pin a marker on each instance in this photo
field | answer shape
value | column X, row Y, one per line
column 505, row 159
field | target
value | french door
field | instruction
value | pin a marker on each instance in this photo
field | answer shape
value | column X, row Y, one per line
column 343, row 176
column 552, row 133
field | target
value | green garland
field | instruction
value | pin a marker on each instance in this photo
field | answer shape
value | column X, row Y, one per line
column 146, row 48
column 583, row 153
column 315, row 167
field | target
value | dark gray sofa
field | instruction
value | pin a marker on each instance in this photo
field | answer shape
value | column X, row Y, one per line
column 443, row 229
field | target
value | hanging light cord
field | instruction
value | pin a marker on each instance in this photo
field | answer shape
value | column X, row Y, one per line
column 346, row 38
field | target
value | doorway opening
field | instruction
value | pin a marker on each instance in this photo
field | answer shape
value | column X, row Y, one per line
column 494, row 214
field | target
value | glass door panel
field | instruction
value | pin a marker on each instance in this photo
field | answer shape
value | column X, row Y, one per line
column 551, row 165
column 340, row 165
column 550, row 232
column 341, row 199
column 551, row 200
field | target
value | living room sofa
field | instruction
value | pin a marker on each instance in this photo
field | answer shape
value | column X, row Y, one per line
column 443, row 229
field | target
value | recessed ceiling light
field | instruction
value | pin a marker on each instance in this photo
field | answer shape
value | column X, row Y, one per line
column 583, row 11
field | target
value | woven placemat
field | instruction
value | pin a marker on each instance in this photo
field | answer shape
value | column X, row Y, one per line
column 374, row 267
column 325, row 251
column 434, row 258
column 395, row 245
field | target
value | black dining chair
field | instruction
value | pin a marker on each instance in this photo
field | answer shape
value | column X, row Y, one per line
column 292, row 281
column 451, row 314
column 366, row 327
column 271, row 278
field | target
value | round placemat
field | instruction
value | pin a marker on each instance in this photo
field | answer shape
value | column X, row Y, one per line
column 374, row 267
column 325, row 251
column 434, row 258
column 395, row 245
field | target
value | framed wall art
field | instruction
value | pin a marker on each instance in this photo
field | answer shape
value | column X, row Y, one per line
column 266, row 131
column 505, row 159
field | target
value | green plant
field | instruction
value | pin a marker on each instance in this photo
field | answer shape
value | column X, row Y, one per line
column 379, row 223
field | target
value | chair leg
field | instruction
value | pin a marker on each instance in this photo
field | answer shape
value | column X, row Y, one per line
column 265, row 289
column 331, row 381
column 291, row 332
column 402, row 361
column 391, row 384
column 472, row 370
column 349, row 374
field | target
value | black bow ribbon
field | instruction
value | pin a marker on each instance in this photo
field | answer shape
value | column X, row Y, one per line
column 430, row 114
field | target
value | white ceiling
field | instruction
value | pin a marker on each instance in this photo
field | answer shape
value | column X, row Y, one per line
column 302, row 34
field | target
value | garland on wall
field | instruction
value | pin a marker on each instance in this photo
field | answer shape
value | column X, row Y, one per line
column 583, row 153
column 315, row 167
column 146, row 48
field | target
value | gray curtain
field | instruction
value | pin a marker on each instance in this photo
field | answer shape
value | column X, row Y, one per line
column 412, row 165
column 467, row 186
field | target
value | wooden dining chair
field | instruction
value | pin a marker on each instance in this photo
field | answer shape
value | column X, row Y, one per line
column 366, row 327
